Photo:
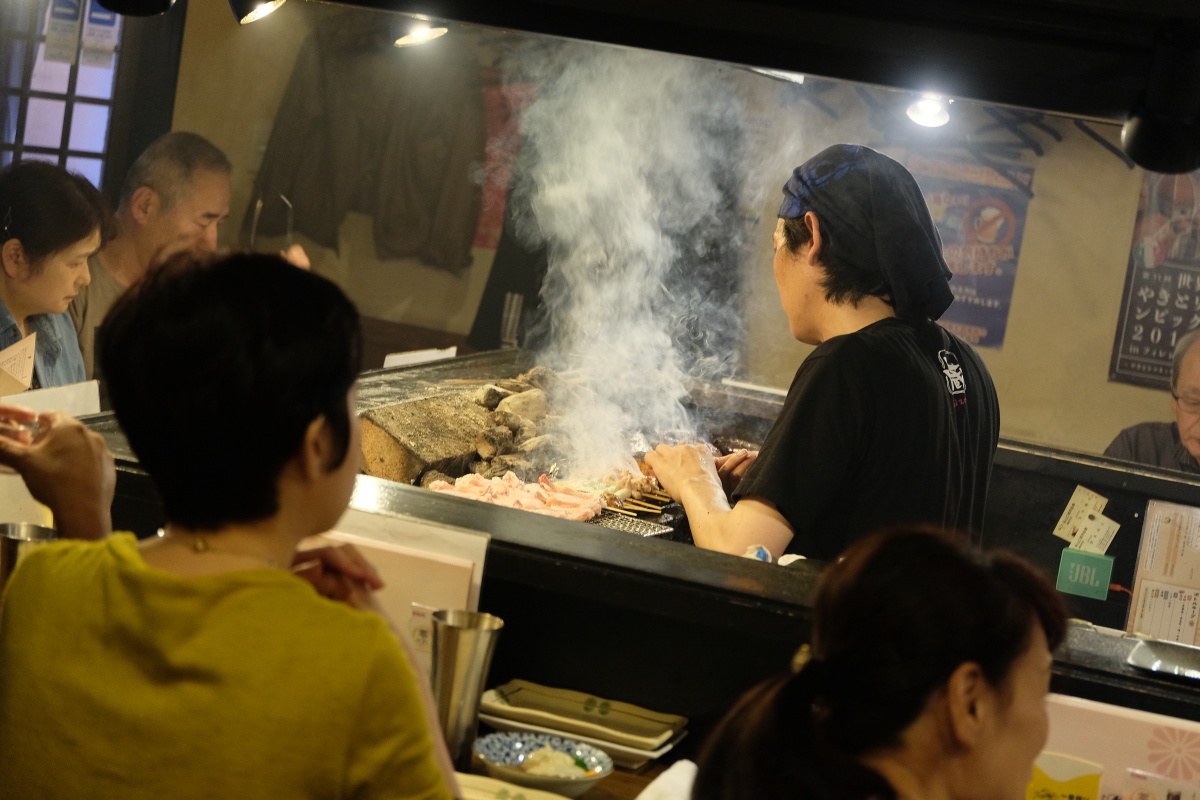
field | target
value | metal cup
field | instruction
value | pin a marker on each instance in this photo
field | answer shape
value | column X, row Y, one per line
column 12, row 536
column 463, row 642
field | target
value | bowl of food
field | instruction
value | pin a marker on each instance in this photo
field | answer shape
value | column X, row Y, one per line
column 543, row 761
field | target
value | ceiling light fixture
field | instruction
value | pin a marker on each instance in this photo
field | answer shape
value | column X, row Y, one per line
column 420, row 34
column 929, row 110
column 247, row 11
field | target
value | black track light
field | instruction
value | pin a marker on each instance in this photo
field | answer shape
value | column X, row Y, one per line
column 1163, row 130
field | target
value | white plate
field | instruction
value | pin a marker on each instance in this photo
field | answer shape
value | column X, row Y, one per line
column 623, row 756
column 1166, row 657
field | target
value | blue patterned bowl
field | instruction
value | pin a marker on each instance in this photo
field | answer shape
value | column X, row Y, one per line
column 503, row 753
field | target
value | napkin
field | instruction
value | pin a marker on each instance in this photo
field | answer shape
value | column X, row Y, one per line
column 673, row 784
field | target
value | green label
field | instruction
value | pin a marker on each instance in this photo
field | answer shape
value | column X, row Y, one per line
column 1085, row 574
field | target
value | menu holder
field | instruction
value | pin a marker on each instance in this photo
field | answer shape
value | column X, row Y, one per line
column 1166, row 588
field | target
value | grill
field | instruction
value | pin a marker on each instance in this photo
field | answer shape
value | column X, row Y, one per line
column 638, row 527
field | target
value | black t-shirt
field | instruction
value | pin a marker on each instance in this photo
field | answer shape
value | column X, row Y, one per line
column 894, row 423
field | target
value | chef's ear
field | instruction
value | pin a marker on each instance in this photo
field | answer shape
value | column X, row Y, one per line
column 16, row 265
column 143, row 203
column 814, row 229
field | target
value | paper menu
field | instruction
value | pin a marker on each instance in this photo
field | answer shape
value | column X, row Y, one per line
column 16, row 365
column 1166, row 589
column 425, row 566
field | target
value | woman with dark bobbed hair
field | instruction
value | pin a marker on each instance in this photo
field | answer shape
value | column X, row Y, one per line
column 51, row 222
column 217, row 660
column 926, row 678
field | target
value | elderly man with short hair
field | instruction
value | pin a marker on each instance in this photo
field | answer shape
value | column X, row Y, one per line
column 174, row 198
column 1170, row 445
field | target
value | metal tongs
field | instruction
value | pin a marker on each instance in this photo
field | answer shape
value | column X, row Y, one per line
column 258, row 207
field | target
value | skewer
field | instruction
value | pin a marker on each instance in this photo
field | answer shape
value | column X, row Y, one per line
column 621, row 511
column 637, row 506
column 666, row 498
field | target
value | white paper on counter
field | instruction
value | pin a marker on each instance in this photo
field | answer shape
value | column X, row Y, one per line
column 410, row 357
column 74, row 399
column 675, row 783
column 1166, row 588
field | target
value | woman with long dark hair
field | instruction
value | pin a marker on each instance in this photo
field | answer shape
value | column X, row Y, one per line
column 926, row 678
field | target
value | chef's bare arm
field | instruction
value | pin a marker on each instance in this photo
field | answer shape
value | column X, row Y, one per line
column 689, row 474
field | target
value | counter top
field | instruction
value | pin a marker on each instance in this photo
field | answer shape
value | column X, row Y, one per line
column 659, row 597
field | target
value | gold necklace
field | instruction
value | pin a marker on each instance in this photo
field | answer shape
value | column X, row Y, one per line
column 200, row 544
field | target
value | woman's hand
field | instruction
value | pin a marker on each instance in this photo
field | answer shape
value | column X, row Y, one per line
column 732, row 468
column 65, row 466
column 296, row 256
column 341, row 573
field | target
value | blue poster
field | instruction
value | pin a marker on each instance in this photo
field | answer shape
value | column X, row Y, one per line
column 980, row 215
column 1161, row 301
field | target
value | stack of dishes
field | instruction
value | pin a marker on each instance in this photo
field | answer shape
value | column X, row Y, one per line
column 630, row 734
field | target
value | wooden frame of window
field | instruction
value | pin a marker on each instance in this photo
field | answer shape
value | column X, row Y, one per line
column 140, row 104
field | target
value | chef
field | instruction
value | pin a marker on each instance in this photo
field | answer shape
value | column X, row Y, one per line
column 891, row 418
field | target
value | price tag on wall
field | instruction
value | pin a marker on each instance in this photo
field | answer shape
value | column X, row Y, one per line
column 62, row 30
column 100, row 28
column 1083, row 525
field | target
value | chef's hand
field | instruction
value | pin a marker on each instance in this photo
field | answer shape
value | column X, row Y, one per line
column 677, row 465
column 65, row 466
column 732, row 468
column 340, row 573
column 295, row 255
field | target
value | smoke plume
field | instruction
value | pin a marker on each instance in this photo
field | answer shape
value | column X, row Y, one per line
column 634, row 177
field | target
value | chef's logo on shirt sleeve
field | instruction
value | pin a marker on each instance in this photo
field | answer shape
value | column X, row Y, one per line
column 952, row 370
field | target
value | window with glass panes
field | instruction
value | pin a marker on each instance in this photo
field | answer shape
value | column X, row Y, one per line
column 51, row 110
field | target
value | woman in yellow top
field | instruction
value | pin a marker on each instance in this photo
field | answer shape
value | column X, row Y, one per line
column 196, row 664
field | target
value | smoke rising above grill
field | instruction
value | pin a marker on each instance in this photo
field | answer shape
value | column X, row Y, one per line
column 634, row 177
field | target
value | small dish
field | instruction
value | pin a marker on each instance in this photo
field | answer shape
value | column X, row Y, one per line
column 622, row 756
column 503, row 753
column 481, row 787
column 581, row 713
column 1170, row 658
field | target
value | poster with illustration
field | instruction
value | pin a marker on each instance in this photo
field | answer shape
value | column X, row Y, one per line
column 980, row 215
column 1161, row 301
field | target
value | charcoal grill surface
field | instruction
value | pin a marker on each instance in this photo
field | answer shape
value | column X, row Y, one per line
column 620, row 522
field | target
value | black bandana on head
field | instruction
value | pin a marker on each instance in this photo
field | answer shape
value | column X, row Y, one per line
column 870, row 206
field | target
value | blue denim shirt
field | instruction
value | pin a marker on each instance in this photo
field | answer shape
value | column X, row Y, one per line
column 57, row 359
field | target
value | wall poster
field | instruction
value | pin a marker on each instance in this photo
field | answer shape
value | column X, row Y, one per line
column 980, row 215
column 1161, row 301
